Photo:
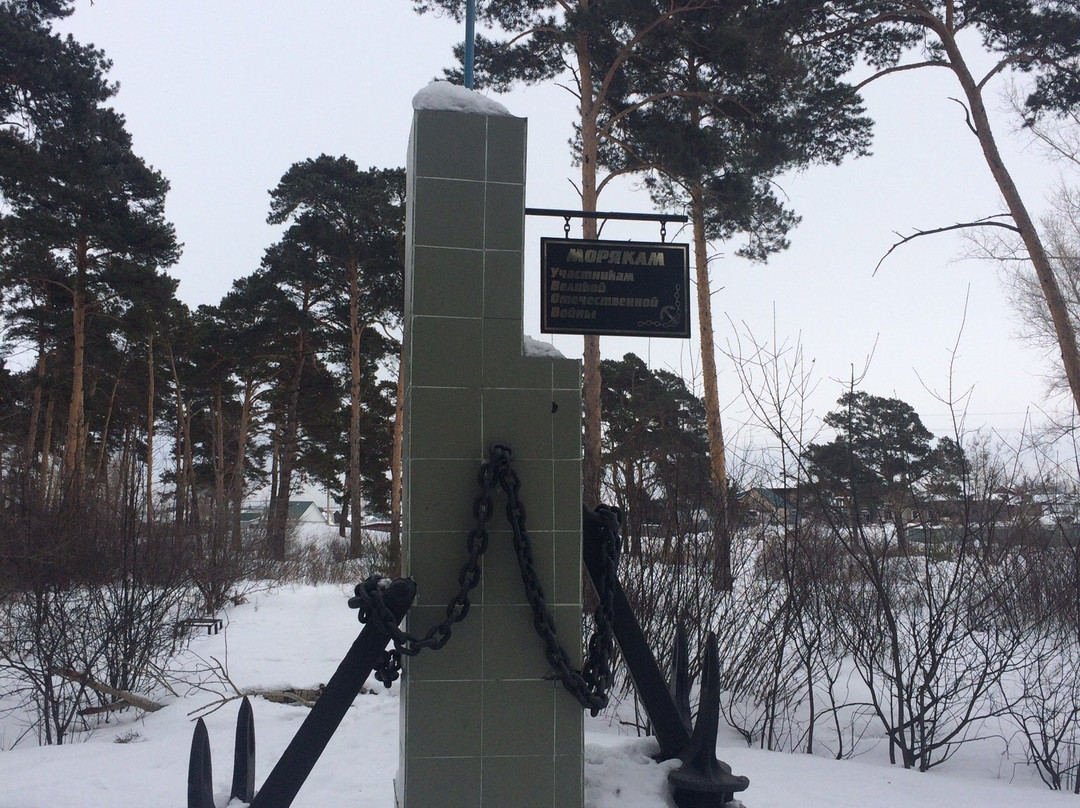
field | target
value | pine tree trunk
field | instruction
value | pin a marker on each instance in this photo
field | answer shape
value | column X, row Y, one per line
column 150, row 433
column 395, row 472
column 1044, row 271
column 279, row 508
column 34, row 494
column 180, row 436
column 221, row 506
column 189, row 471
column 356, row 330
column 714, row 427
column 35, row 406
column 73, row 456
column 178, row 464
column 591, row 467
column 237, row 490
column 46, row 449
column 100, row 476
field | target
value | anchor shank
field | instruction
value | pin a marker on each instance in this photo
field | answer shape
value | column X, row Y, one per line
column 299, row 758
column 649, row 681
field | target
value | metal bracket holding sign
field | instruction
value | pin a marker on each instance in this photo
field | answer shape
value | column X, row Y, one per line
column 616, row 288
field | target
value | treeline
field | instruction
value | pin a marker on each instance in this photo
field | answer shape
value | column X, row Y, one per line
column 115, row 394
column 893, row 594
column 132, row 428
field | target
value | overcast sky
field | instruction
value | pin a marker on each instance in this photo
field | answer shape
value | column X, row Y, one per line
column 222, row 96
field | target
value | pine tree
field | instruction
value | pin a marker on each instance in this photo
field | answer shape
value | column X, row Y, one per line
column 355, row 220
column 655, row 447
column 731, row 102
column 881, row 451
column 75, row 189
column 294, row 293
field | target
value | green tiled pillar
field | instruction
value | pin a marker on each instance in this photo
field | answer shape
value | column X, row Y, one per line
column 481, row 726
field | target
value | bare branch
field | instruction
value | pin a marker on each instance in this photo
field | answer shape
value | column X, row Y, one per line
column 967, row 115
column 987, row 222
column 130, row 699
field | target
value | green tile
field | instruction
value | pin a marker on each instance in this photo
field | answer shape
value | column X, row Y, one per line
column 502, row 352
column 448, row 213
column 536, row 487
column 409, row 284
column 569, row 726
column 444, row 720
column 567, row 374
column 566, row 425
column 543, row 559
column 445, row 422
column 519, row 719
column 519, row 782
column 521, row 419
column 569, row 780
column 457, row 289
column 566, row 495
column 406, row 523
column 503, row 284
column 504, row 223
column 512, row 648
column 441, row 495
column 460, row 658
column 504, row 364
column 445, row 352
column 502, row 576
column 506, row 149
column 437, row 559
column 444, row 783
column 566, row 562
column 543, row 556
column 450, row 145
column 536, row 373
column 568, row 627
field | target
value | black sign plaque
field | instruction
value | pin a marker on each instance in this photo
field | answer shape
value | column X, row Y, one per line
column 618, row 288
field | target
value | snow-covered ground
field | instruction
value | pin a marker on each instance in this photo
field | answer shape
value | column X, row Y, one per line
column 295, row 637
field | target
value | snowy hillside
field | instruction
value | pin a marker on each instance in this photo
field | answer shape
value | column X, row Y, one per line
column 294, row 637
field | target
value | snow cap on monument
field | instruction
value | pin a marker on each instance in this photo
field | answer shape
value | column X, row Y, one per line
column 534, row 347
column 453, row 97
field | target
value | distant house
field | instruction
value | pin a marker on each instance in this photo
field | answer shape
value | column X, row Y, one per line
column 301, row 512
column 771, row 505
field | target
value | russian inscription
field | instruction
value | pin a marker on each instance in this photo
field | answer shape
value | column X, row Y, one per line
column 615, row 288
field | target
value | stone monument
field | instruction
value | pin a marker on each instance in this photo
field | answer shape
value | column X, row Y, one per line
column 483, row 722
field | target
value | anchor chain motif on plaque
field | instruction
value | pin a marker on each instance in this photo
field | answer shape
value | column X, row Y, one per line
column 670, row 316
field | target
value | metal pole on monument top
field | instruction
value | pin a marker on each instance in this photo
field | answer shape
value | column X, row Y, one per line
column 470, row 41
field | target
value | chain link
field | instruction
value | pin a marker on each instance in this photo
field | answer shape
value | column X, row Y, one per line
column 590, row 685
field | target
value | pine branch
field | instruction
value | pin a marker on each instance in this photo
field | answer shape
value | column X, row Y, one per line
column 628, row 49
column 897, row 69
column 1016, row 58
column 861, row 25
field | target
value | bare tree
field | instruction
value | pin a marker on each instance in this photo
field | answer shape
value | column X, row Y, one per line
column 1061, row 233
column 1034, row 38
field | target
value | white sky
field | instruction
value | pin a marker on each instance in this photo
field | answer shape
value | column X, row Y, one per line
column 223, row 97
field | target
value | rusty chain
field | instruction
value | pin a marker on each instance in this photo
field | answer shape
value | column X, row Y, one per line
column 591, row 684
